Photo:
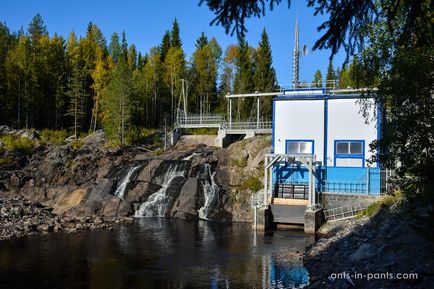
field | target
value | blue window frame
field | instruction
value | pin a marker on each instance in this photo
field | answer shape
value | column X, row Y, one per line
column 349, row 149
column 300, row 146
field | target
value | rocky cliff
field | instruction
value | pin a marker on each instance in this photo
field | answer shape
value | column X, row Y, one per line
column 92, row 179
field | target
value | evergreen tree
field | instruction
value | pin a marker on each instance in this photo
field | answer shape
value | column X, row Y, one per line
column 117, row 103
column 265, row 75
column 201, row 41
column 175, row 39
column 243, row 82
column 124, row 46
column 95, row 34
column 330, row 76
column 76, row 97
column 133, row 58
column 37, row 29
column 317, row 79
column 115, row 48
column 164, row 46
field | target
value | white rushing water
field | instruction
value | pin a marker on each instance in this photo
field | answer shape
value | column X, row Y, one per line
column 156, row 205
column 211, row 194
column 121, row 189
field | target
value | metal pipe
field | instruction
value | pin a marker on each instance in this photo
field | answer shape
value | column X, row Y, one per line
column 257, row 115
column 260, row 94
column 230, row 113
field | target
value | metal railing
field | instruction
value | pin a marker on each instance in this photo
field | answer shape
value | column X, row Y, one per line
column 262, row 125
column 344, row 187
column 344, row 212
column 198, row 120
column 291, row 191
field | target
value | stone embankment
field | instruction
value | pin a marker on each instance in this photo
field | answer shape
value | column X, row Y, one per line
column 20, row 217
column 390, row 249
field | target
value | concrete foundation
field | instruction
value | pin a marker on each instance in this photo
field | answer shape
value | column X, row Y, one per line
column 264, row 219
column 312, row 220
column 334, row 200
column 222, row 140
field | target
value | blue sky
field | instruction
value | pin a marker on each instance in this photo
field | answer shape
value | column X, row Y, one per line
column 145, row 21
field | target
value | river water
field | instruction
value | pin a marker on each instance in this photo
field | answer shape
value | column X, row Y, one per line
column 156, row 253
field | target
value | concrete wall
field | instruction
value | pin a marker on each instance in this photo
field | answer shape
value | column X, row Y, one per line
column 299, row 120
column 346, row 122
column 330, row 200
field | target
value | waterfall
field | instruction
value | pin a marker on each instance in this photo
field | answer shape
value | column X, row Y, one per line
column 121, row 189
column 210, row 192
column 158, row 203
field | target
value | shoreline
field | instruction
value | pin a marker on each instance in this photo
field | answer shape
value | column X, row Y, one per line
column 381, row 251
column 21, row 218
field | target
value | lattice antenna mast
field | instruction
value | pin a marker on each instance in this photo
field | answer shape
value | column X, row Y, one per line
column 296, row 57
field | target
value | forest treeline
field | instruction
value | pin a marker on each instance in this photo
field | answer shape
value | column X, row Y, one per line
column 87, row 83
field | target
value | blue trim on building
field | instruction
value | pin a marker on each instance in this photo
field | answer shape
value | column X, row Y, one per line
column 320, row 96
column 349, row 156
column 273, row 118
column 326, row 124
column 379, row 128
column 300, row 140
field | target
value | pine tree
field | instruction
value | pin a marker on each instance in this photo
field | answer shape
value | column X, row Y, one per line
column 317, row 79
column 115, row 48
column 133, row 59
column 330, row 76
column 124, row 45
column 117, row 103
column 37, row 28
column 265, row 75
column 76, row 96
column 175, row 39
column 201, row 41
column 94, row 34
column 244, row 78
column 164, row 46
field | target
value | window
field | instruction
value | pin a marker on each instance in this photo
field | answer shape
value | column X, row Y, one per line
column 349, row 147
column 299, row 146
column 349, row 153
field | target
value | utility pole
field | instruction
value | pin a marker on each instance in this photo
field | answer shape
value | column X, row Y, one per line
column 296, row 57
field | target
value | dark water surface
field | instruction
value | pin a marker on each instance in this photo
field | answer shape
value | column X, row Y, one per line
column 155, row 253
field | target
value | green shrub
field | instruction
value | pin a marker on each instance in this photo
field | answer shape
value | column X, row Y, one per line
column 56, row 137
column 252, row 182
column 16, row 143
column 6, row 160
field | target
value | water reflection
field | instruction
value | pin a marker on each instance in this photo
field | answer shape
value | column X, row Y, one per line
column 156, row 253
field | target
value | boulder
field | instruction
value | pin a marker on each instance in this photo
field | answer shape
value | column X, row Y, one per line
column 69, row 201
column 148, row 172
column 95, row 139
column 365, row 251
column 111, row 206
column 186, row 204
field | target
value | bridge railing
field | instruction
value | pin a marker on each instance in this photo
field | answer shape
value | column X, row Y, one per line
column 199, row 120
column 262, row 125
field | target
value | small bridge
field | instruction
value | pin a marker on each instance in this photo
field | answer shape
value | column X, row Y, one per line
column 225, row 128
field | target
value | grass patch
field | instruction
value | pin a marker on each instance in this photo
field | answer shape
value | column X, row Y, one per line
column 384, row 202
column 201, row 131
column 252, row 183
column 15, row 143
column 56, row 137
